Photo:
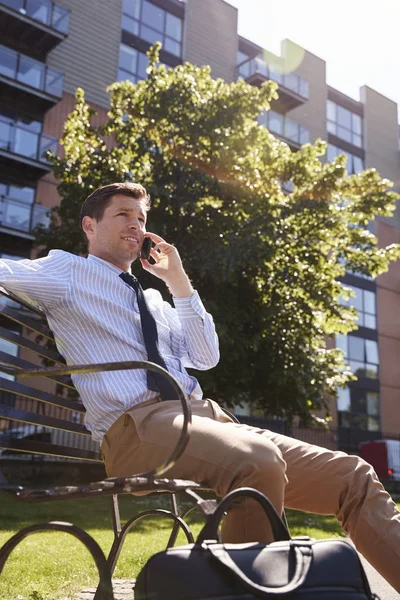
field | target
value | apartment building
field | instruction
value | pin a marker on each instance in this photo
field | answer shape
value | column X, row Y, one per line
column 48, row 49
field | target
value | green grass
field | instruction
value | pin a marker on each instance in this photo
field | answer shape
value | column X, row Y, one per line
column 50, row 566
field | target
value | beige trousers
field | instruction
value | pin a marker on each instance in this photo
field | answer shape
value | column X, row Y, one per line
column 224, row 456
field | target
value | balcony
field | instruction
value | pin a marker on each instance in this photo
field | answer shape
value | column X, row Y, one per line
column 23, row 150
column 25, row 82
column 293, row 89
column 288, row 130
column 33, row 26
column 21, row 216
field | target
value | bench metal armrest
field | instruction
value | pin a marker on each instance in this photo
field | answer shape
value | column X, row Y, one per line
column 124, row 366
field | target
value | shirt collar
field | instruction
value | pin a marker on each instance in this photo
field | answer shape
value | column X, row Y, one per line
column 105, row 263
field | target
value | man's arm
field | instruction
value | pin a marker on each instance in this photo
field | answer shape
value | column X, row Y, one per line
column 193, row 336
column 42, row 282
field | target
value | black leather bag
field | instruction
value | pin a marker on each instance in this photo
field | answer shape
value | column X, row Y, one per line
column 292, row 569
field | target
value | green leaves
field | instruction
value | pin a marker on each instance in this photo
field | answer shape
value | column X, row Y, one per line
column 263, row 232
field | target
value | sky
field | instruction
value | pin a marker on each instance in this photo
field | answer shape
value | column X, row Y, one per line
column 358, row 39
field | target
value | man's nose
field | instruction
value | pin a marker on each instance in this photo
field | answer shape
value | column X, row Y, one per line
column 134, row 224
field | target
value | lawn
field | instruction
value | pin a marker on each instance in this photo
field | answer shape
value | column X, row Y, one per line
column 51, row 566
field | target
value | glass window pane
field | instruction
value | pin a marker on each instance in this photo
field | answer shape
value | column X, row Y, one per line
column 23, row 193
column 358, row 164
column 131, row 8
column 344, row 117
column 369, row 302
column 172, row 47
column 331, row 152
column 372, row 403
column 358, row 368
column 331, row 127
column 356, row 301
column 331, row 110
column 292, row 82
column 343, row 133
column 29, row 124
column 357, row 141
column 372, row 351
column 356, row 124
column 8, row 62
column 153, row 15
column 31, row 73
column 343, row 399
column 129, row 25
column 16, row 215
column 341, row 343
column 356, row 348
column 358, row 401
column 373, row 424
column 39, row 10
column 173, row 27
column 25, row 142
column 241, row 57
column 275, row 122
column 5, row 134
column 124, row 75
column 291, row 130
column 128, row 58
column 9, row 348
column 369, row 321
column 371, row 371
column 150, row 35
column 142, row 66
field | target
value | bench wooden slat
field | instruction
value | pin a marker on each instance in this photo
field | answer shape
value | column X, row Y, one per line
column 33, row 324
column 6, row 334
column 15, row 361
column 37, row 447
column 10, row 413
column 29, row 392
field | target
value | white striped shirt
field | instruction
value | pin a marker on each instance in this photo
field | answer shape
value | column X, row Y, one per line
column 94, row 317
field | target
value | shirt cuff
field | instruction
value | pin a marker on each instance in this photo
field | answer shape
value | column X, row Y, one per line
column 190, row 307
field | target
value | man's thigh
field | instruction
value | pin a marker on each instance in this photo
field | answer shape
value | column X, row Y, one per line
column 217, row 450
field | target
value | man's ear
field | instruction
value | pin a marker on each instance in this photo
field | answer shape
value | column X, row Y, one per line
column 88, row 224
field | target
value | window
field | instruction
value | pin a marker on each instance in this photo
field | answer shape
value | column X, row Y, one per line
column 152, row 24
column 344, row 124
column 16, row 203
column 365, row 302
column 10, row 348
column 358, row 409
column 132, row 64
column 361, row 354
column 354, row 164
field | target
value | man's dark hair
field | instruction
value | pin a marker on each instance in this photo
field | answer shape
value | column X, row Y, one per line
column 95, row 204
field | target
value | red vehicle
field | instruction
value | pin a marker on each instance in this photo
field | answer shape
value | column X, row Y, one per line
column 384, row 456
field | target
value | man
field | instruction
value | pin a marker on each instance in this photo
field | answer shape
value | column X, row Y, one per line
column 96, row 317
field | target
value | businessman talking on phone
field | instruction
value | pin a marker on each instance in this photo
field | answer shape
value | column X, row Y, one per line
column 97, row 310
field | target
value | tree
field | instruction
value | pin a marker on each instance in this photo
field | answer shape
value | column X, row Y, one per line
column 265, row 260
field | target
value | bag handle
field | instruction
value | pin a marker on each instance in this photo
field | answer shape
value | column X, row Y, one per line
column 303, row 559
column 210, row 529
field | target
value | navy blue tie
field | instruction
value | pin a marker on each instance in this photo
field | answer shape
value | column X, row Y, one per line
column 155, row 382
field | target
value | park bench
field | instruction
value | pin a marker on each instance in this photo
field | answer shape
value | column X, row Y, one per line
column 45, row 420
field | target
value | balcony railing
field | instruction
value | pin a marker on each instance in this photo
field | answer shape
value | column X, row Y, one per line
column 290, row 81
column 20, row 140
column 43, row 11
column 21, row 216
column 30, row 72
column 285, row 128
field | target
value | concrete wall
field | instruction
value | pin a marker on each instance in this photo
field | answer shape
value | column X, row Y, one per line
column 312, row 114
column 89, row 55
column 388, row 315
column 381, row 138
column 210, row 36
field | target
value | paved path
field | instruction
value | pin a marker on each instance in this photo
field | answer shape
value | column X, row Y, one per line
column 123, row 588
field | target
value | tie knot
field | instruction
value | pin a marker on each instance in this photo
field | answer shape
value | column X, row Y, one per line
column 129, row 279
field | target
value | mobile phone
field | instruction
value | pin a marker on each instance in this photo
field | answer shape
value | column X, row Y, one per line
column 146, row 247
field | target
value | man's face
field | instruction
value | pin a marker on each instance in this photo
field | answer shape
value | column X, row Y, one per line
column 118, row 237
